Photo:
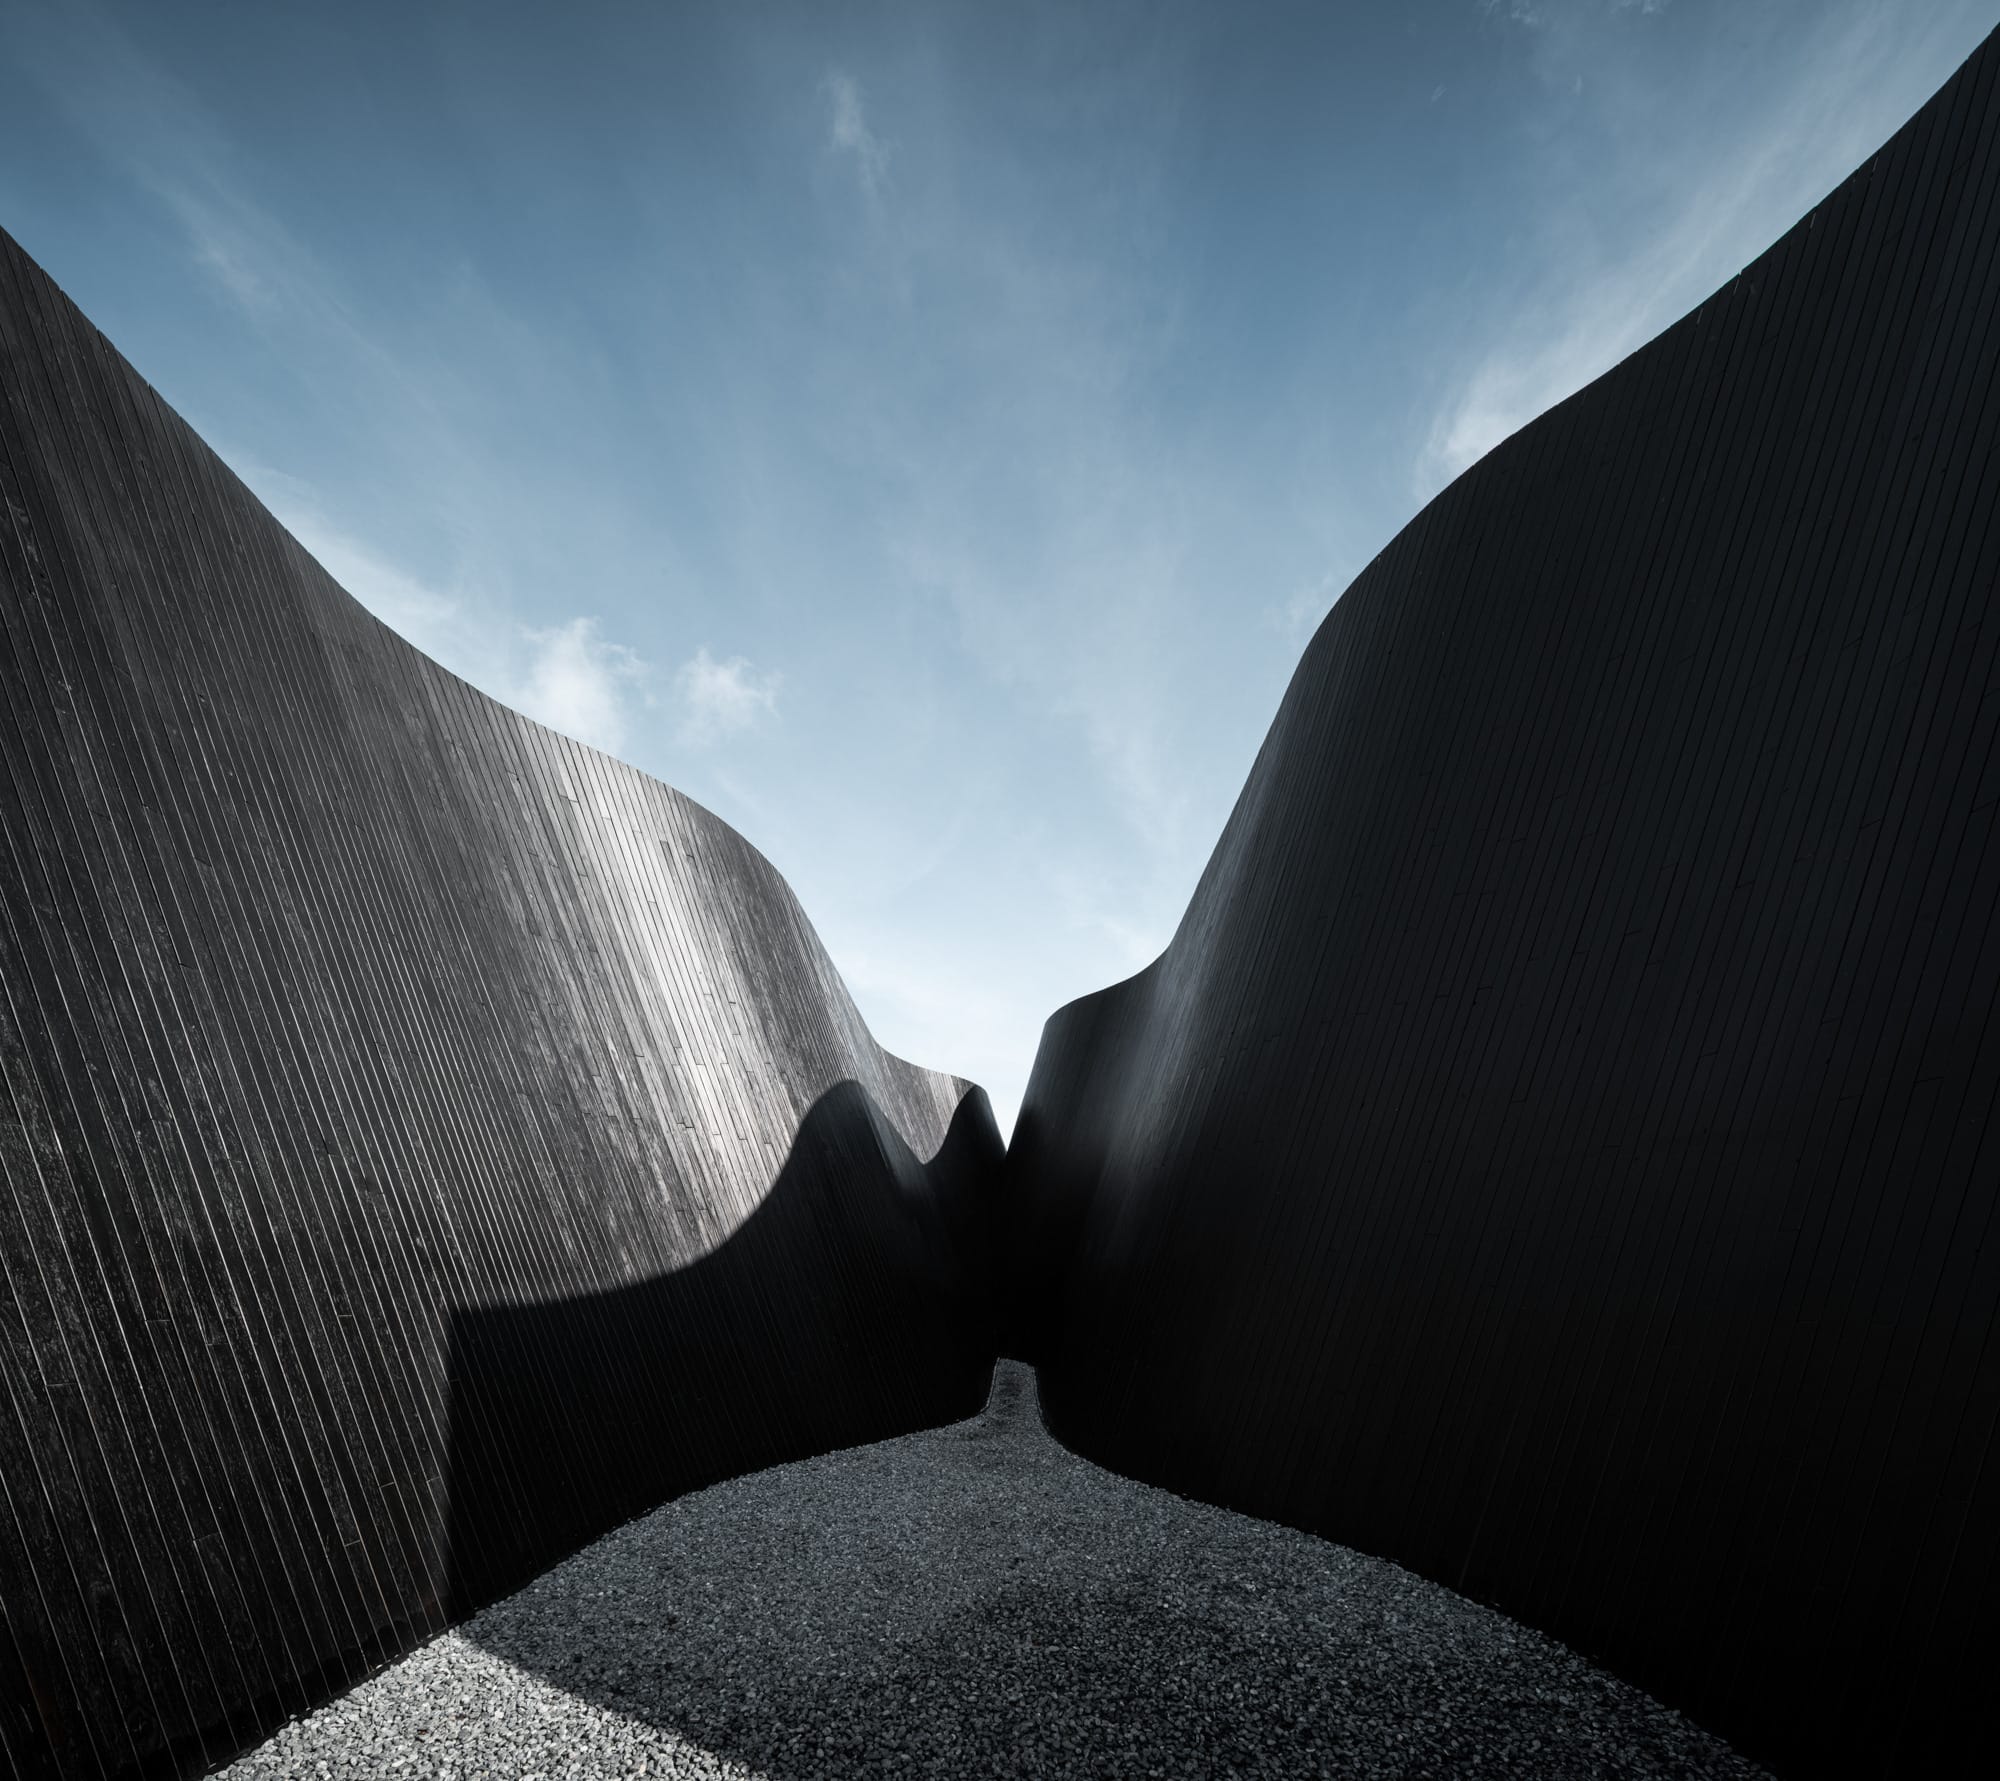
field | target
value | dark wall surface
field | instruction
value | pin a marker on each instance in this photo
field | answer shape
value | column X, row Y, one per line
column 424, row 1142
column 1557, row 1150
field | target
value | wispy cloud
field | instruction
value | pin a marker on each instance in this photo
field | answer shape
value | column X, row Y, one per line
column 1754, row 177
column 147, row 122
column 441, row 621
column 849, row 133
column 720, row 699
column 1538, row 14
column 989, row 359
column 238, row 272
column 254, row 261
column 1296, row 618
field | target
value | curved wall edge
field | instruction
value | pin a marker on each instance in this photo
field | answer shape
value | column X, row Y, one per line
column 1557, row 1149
column 394, row 1090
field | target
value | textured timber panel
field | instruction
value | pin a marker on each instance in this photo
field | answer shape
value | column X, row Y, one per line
column 1557, row 1148
column 388, row 1083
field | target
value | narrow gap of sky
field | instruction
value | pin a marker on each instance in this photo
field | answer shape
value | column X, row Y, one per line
column 925, row 434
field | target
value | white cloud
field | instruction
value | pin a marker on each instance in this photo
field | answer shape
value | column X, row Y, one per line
column 848, row 131
column 578, row 683
column 567, row 675
column 564, row 675
column 719, row 699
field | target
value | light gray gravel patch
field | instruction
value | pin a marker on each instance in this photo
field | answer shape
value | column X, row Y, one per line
column 976, row 1600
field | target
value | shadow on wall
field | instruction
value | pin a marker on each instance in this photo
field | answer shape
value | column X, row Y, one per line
column 338, row 997
column 853, row 1304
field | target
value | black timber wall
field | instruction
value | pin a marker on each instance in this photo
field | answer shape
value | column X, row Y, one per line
column 426, row 1141
column 1557, row 1149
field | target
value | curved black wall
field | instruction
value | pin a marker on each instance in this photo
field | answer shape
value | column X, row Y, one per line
column 1557, row 1149
column 425, row 1140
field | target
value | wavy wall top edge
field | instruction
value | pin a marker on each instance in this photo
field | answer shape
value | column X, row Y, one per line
column 919, row 1097
column 1330, row 631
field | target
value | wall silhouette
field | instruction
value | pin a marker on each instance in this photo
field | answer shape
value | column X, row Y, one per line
column 1556, row 1150
column 349, row 1020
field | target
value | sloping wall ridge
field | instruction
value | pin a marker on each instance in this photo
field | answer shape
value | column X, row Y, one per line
column 1557, row 1149
column 425, row 1141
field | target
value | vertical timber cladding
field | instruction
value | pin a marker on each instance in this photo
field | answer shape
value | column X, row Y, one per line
column 1557, row 1150
column 426, row 1141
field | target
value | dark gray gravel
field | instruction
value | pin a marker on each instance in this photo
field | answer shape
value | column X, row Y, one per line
column 978, row 1601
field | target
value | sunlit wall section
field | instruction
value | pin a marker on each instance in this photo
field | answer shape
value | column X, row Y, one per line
column 426, row 1140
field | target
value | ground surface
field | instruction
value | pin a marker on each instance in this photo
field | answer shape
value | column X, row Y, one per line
column 978, row 1601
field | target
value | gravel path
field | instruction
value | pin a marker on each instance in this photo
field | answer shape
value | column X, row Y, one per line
column 978, row 1601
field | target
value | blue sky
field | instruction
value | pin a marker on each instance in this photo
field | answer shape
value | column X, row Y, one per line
column 927, row 435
